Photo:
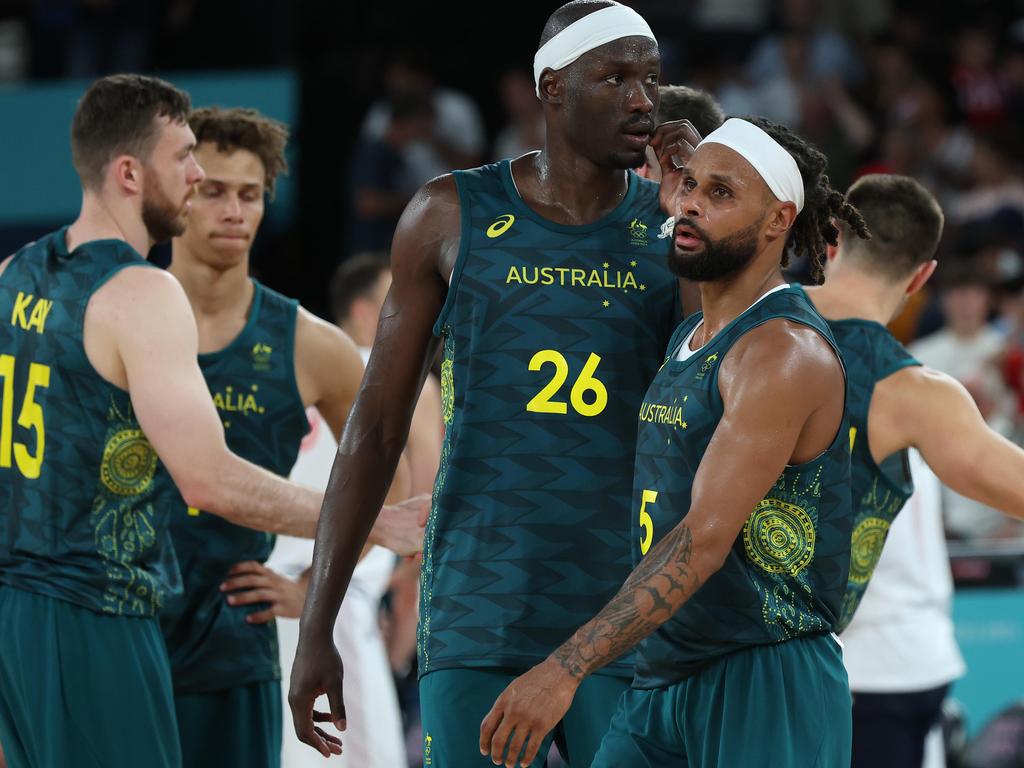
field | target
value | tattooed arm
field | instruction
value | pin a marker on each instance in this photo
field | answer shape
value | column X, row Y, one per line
column 748, row 452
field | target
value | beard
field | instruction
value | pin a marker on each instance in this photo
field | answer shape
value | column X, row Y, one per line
column 163, row 220
column 718, row 259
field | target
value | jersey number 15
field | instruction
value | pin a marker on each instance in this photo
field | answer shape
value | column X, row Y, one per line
column 30, row 417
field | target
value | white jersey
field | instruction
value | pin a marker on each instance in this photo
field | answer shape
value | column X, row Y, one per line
column 373, row 738
column 901, row 638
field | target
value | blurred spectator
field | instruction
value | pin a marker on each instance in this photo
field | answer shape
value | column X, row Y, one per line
column 827, row 54
column 524, row 131
column 457, row 139
column 996, row 183
column 969, row 349
column 378, row 167
column 975, row 80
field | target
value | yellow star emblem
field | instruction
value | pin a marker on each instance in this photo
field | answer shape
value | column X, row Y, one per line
column 605, row 265
column 606, row 303
column 643, row 287
column 632, row 263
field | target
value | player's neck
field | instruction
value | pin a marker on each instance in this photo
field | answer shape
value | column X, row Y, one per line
column 722, row 301
column 102, row 219
column 213, row 293
column 569, row 189
column 849, row 293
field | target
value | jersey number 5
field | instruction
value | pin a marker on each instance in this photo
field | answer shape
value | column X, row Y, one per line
column 585, row 382
column 646, row 522
column 30, row 417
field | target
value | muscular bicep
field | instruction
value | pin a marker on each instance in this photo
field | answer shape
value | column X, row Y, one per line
column 405, row 344
column 945, row 425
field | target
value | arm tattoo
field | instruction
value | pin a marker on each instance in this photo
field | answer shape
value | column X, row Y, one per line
column 654, row 591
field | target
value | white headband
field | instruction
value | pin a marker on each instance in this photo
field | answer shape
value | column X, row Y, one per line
column 592, row 31
column 775, row 165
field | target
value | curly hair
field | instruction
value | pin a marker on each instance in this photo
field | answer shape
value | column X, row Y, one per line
column 815, row 226
column 232, row 129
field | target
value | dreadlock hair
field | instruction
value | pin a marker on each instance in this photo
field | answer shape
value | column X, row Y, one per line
column 814, row 227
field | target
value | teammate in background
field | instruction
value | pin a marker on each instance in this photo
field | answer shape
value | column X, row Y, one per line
column 680, row 102
column 374, row 737
column 699, row 108
column 545, row 283
column 895, row 404
column 88, row 417
column 265, row 360
column 741, row 502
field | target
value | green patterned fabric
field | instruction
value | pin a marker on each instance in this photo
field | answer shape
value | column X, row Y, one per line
column 551, row 334
column 82, row 492
column 786, row 572
column 252, row 381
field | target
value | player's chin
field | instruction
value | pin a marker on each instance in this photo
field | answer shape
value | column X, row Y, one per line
column 627, row 159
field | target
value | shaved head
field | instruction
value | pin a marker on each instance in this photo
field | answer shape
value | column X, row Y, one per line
column 569, row 13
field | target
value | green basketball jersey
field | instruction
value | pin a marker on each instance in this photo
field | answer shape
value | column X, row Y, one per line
column 551, row 334
column 879, row 492
column 252, row 381
column 786, row 572
column 84, row 519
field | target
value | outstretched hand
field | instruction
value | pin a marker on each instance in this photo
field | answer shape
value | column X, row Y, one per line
column 399, row 527
column 525, row 712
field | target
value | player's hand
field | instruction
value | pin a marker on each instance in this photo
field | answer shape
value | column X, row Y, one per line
column 673, row 142
column 251, row 582
column 317, row 670
column 399, row 527
column 525, row 712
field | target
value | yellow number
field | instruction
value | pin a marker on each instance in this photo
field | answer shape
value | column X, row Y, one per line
column 542, row 402
column 586, row 382
column 31, row 417
column 853, row 437
column 7, row 416
column 646, row 522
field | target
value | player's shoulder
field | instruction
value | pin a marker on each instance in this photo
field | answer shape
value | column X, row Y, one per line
column 796, row 354
column 917, row 387
column 315, row 338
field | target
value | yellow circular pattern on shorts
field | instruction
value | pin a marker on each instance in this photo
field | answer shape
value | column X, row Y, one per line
column 129, row 463
column 447, row 392
column 866, row 548
column 779, row 537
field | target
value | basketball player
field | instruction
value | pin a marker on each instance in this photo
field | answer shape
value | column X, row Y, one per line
column 896, row 404
column 741, row 502
column 543, row 280
column 101, row 386
column 265, row 360
column 95, row 337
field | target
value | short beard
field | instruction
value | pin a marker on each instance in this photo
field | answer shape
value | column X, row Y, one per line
column 162, row 219
column 718, row 260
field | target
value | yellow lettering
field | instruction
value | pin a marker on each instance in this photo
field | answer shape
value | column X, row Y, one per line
column 20, row 305
column 578, row 277
column 595, row 279
column 249, row 404
column 218, row 401
column 561, row 274
column 39, row 313
column 629, row 282
column 547, row 276
column 526, row 279
column 513, row 276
